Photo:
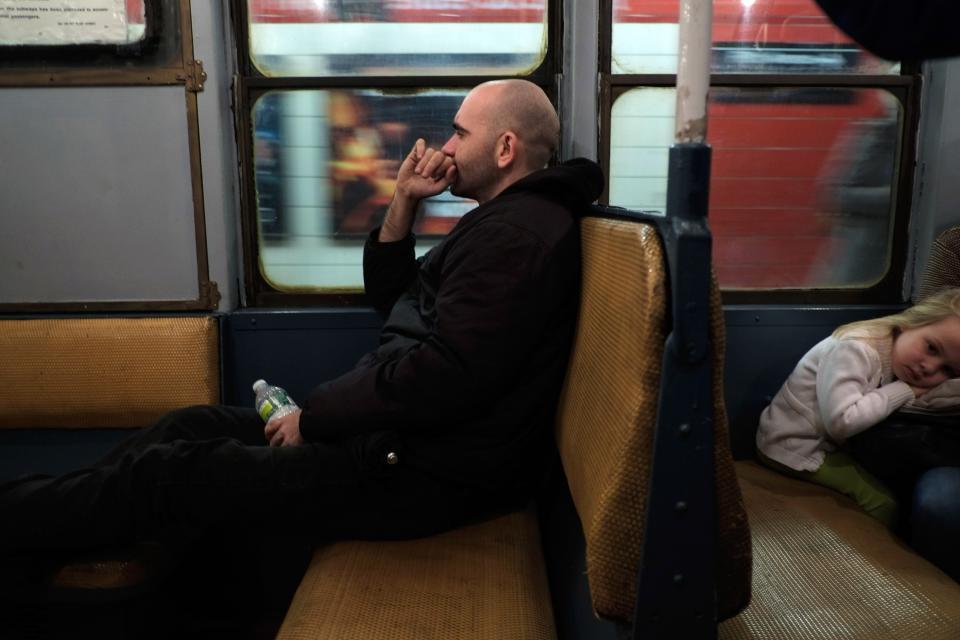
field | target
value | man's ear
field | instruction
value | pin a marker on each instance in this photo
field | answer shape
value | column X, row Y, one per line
column 506, row 149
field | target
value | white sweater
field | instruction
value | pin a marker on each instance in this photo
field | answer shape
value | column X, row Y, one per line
column 838, row 389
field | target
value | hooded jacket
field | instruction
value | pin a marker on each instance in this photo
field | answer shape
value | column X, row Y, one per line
column 465, row 381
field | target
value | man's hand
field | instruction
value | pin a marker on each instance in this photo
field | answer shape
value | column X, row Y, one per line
column 424, row 172
column 284, row 431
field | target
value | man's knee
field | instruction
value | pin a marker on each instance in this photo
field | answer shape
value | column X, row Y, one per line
column 204, row 421
column 935, row 498
column 190, row 414
column 935, row 518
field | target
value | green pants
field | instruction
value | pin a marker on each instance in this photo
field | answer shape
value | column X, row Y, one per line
column 840, row 473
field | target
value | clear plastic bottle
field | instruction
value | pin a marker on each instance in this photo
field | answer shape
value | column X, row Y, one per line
column 271, row 401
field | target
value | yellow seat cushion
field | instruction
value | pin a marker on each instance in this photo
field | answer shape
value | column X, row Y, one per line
column 481, row 582
column 823, row 569
column 105, row 372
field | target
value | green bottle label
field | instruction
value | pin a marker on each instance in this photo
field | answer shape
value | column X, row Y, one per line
column 266, row 408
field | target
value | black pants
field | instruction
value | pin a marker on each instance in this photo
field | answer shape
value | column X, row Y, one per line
column 918, row 457
column 208, row 467
column 906, row 445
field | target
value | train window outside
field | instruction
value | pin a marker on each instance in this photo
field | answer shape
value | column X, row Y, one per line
column 749, row 36
column 801, row 184
column 325, row 164
column 807, row 131
column 408, row 37
column 336, row 94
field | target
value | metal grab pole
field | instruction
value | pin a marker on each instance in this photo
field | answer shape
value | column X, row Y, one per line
column 693, row 70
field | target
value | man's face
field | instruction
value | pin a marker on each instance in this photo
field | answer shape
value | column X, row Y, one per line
column 473, row 148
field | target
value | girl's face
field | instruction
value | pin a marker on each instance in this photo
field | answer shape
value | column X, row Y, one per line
column 926, row 356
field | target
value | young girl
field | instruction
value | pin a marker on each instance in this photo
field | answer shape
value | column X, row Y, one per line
column 851, row 381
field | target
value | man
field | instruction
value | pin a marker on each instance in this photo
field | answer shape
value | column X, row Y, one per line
column 447, row 420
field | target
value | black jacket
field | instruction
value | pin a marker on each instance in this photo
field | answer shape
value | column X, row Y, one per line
column 474, row 349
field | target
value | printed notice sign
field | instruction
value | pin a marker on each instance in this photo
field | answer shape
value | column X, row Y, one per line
column 63, row 22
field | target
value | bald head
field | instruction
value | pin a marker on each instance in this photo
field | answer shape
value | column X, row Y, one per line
column 522, row 107
column 504, row 131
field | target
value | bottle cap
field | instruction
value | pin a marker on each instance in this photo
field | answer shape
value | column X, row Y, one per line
column 259, row 383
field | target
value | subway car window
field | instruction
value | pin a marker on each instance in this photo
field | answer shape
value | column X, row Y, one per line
column 801, row 184
column 749, row 36
column 325, row 167
column 338, row 92
column 808, row 135
column 408, row 37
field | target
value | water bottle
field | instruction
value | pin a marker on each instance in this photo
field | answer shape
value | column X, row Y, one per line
column 272, row 402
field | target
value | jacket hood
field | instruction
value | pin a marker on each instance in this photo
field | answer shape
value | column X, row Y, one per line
column 575, row 183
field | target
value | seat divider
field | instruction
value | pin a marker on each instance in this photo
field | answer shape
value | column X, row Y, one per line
column 676, row 594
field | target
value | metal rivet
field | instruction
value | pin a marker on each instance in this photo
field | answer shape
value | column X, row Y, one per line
column 685, row 429
column 392, row 458
column 680, row 506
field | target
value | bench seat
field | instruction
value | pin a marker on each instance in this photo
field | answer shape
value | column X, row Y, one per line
column 490, row 580
column 487, row 578
column 824, row 569
column 105, row 373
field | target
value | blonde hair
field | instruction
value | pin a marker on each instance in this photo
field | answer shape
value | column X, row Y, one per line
column 934, row 308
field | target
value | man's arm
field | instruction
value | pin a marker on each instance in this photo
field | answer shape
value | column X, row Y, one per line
column 499, row 294
column 389, row 263
column 423, row 173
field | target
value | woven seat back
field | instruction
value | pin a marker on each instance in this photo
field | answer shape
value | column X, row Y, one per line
column 608, row 411
column 943, row 265
column 105, row 372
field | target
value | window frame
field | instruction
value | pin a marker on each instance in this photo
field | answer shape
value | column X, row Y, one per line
column 250, row 84
column 905, row 87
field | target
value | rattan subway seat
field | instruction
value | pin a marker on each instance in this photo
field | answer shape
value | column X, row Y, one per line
column 106, row 373
column 489, row 581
